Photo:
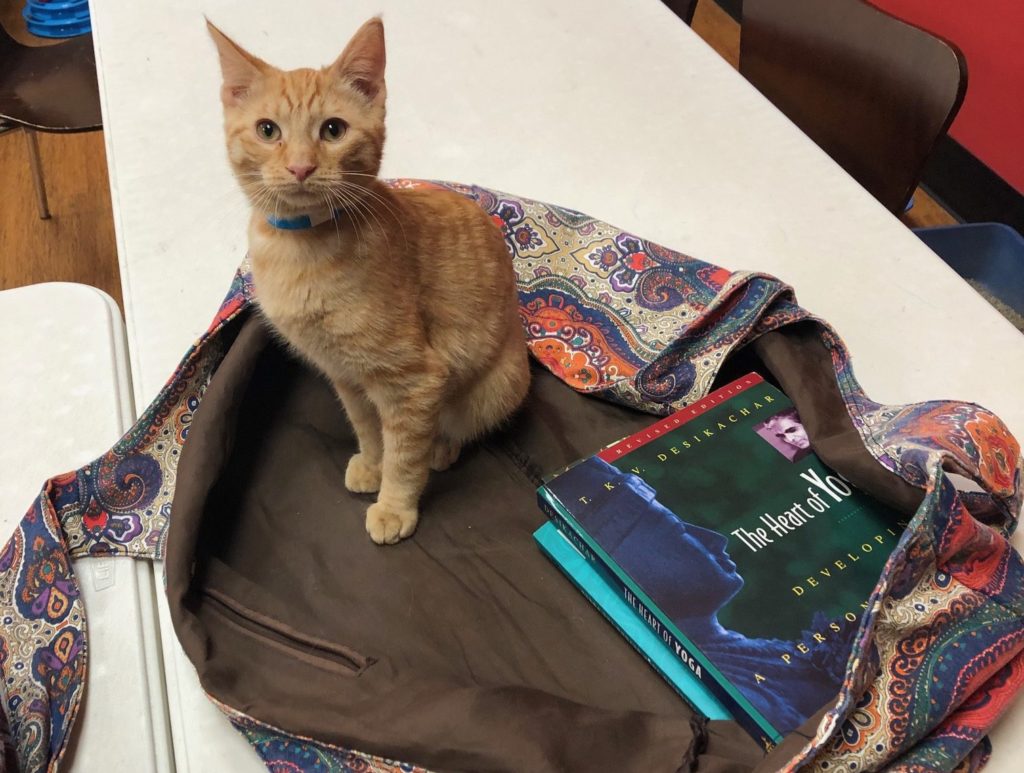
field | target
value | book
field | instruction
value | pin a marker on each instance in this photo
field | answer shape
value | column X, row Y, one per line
column 603, row 591
column 737, row 546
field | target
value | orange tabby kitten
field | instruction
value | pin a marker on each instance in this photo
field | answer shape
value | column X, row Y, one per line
column 404, row 299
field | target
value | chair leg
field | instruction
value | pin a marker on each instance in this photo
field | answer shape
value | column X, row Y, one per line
column 37, row 173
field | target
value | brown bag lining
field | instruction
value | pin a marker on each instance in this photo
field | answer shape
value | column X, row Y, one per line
column 418, row 697
column 798, row 359
column 317, row 652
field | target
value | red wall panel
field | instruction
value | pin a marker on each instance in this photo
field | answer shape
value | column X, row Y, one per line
column 991, row 35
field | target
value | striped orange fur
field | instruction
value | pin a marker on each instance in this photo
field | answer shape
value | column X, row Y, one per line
column 406, row 300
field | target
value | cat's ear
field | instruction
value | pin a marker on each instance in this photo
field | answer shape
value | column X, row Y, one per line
column 361, row 64
column 239, row 68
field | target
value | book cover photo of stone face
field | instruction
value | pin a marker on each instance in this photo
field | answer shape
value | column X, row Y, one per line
column 760, row 556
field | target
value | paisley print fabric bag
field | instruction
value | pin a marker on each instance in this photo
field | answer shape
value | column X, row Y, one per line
column 462, row 649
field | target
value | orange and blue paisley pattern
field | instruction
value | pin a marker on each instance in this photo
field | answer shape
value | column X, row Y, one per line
column 940, row 649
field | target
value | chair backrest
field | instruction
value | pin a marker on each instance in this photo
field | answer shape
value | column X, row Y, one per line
column 874, row 92
column 7, row 44
column 684, row 9
column 50, row 88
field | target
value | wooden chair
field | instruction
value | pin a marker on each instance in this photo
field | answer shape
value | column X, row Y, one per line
column 50, row 89
column 684, row 9
column 874, row 92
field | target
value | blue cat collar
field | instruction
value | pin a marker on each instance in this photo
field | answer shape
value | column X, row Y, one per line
column 302, row 222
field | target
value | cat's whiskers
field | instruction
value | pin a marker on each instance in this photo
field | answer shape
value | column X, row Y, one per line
column 334, row 217
column 252, row 187
column 335, row 202
column 347, row 202
column 367, row 207
column 344, row 185
column 376, row 196
column 384, row 201
column 352, row 208
column 263, row 196
column 350, row 173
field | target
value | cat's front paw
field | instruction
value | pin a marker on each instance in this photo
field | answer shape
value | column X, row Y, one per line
column 362, row 476
column 386, row 525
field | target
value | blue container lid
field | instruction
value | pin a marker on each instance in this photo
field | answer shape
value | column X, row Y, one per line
column 59, row 30
column 56, row 7
column 66, row 18
column 59, row 19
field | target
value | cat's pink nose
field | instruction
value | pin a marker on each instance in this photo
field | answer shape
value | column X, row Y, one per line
column 301, row 171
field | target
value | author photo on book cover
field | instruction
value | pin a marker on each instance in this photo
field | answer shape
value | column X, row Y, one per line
column 785, row 434
column 688, row 573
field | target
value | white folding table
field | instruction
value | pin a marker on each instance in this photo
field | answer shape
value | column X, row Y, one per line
column 65, row 398
column 614, row 108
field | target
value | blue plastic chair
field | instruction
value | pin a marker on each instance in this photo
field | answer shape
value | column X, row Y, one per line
column 991, row 254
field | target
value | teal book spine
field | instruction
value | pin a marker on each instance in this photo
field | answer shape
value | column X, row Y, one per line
column 676, row 645
column 605, row 593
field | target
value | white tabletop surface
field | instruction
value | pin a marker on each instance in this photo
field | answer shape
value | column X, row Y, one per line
column 65, row 398
column 614, row 108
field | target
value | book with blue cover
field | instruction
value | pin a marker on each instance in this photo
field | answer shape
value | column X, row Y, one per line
column 744, row 554
column 603, row 591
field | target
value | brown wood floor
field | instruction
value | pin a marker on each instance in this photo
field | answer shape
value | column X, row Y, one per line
column 77, row 243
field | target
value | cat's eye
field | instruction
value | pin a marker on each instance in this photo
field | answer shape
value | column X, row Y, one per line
column 268, row 131
column 332, row 130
